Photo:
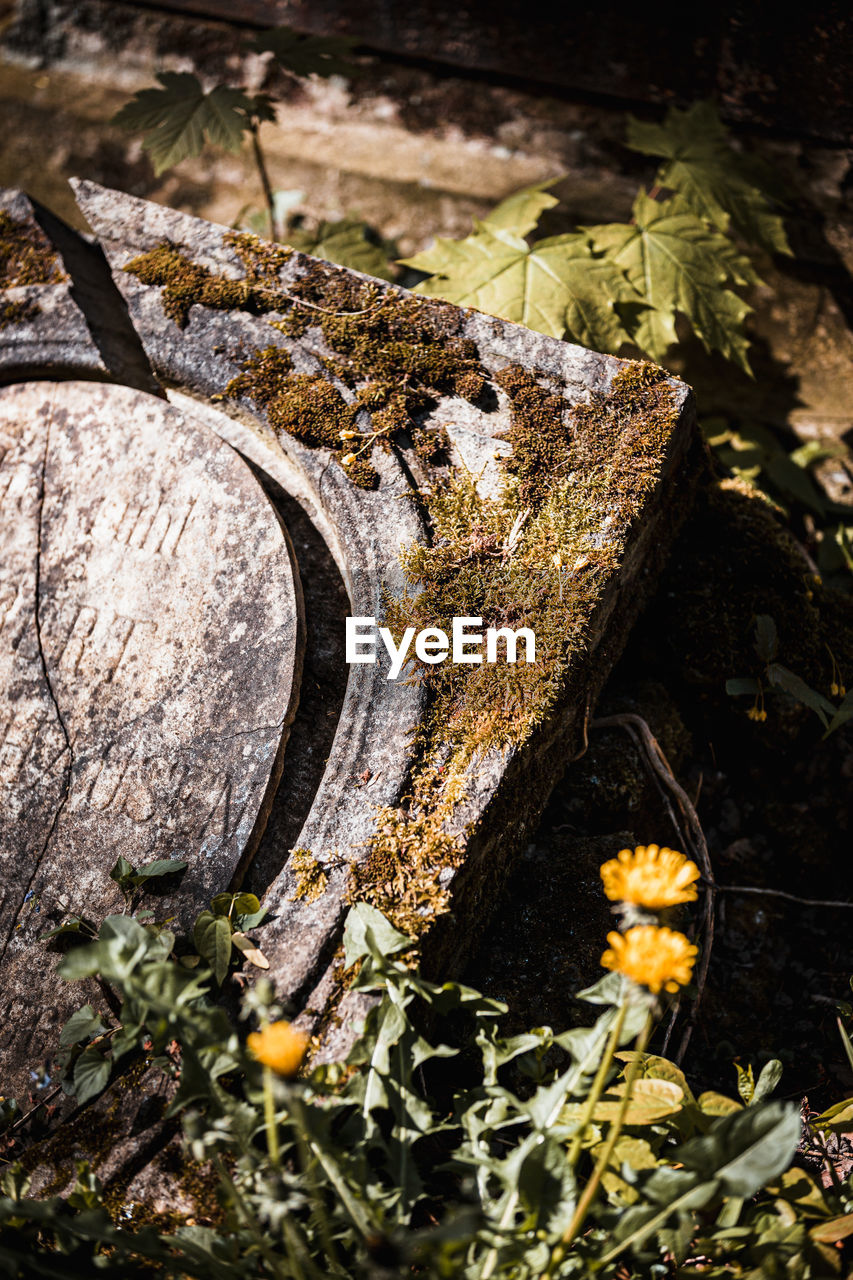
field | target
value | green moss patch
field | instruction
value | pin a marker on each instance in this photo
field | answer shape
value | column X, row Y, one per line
column 539, row 557
column 26, row 254
column 21, row 311
column 311, row 879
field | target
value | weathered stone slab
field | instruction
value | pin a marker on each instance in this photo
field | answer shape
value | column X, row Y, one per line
column 39, row 319
column 207, row 306
column 150, row 652
column 585, row 462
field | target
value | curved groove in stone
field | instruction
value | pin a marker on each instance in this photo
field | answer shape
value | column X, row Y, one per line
column 150, row 654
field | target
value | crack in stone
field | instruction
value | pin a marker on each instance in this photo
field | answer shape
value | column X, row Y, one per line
column 63, row 800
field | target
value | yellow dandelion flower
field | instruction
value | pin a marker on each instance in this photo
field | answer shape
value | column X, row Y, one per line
column 650, row 877
column 279, row 1046
column 651, row 956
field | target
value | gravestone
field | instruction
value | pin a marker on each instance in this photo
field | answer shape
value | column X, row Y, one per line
column 275, row 354
column 149, row 663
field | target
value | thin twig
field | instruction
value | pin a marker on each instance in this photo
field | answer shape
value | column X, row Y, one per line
column 779, row 893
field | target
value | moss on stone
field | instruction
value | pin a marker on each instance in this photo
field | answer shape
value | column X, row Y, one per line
column 20, row 311
column 184, row 282
column 538, row 556
column 401, row 875
column 311, row 879
column 308, row 407
column 26, row 254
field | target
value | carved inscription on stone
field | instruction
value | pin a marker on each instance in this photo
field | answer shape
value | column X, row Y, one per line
column 149, row 662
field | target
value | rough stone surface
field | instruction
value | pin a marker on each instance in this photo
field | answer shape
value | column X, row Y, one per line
column 149, row 666
column 357, row 746
column 371, row 755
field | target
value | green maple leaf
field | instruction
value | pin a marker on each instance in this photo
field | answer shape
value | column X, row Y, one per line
column 717, row 182
column 178, row 118
column 346, row 243
column 521, row 211
column 555, row 286
column 677, row 263
column 307, row 55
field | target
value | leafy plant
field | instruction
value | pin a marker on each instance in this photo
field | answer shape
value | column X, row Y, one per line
column 605, row 286
column 181, row 116
column 557, row 1155
column 778, row 676
column 222, row 931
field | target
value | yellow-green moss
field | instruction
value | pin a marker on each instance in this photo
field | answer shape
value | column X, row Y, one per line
column 538, row 556
column 307, row 407
column 185, row 282
column 400, row 875
column 397, row 353
column 21, row 311
column 311, row 879
column 26, row 254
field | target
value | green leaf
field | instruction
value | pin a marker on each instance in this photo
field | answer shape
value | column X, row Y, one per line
column 345, row 242
column 368, row 933
column 212, row 939
column 840, row 1228
column 717, row 1104
column 837, row 1119
column 180, row 117
column 771, row 1074
column 556, row 286
column 676, row 263
column 251, row 920
column 716, row 181
column 843, row 714
column 738, row 1155
column 520, row 212
column 635, row 1152
column 235, row 904
column 797, row 688
column 162, row 867
column 740, row 685
column 745, row 1082
column 246, row 904
column 91, row 1073
column 654, row 1067
column 74, row 924
column 743, row 1151
column 766, row 638
column 82, row 1025
column 651, row 1100
column 122, row 871
column 308, row 55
